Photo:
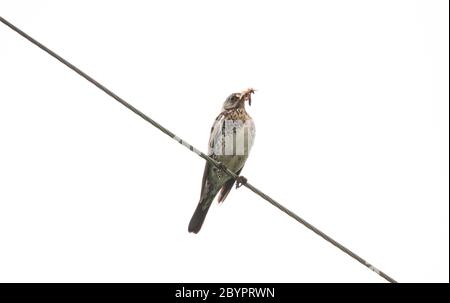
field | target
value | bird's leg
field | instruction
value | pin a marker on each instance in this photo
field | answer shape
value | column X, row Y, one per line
column 241, row 180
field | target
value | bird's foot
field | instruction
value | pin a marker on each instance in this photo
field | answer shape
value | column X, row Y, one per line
column 241, row 180
column 221, row 166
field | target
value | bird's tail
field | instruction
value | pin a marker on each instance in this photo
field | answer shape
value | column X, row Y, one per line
column 199, row 215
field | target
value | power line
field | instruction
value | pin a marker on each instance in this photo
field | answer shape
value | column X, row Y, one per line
column 201, row 154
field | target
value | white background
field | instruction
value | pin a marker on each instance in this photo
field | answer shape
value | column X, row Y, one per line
column 352, row 134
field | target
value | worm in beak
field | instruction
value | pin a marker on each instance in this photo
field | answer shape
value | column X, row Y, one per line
column 247, row 95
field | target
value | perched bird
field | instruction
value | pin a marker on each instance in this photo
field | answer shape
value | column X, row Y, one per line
column 231, row 139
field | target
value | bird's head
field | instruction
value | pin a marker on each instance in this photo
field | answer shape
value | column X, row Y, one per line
column 237, row 100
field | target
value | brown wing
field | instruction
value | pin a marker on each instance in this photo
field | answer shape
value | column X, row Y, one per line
column 212, row 138
column 205, row 183
column 226, row 188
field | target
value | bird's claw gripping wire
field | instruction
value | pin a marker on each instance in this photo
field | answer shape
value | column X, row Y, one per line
column 221, row 166
column 241, row 180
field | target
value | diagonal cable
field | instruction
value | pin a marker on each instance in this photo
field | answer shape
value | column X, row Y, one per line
column 193, row 149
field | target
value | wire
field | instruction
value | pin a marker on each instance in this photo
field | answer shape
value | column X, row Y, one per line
column 201, row 154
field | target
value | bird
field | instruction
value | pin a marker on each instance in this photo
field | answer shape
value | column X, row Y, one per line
column 231, row 139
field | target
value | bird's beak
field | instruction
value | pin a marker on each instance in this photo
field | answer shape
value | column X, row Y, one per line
column 247, row 95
